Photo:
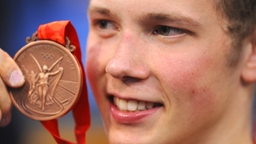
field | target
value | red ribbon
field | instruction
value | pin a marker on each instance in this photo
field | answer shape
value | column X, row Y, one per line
column 57, row 31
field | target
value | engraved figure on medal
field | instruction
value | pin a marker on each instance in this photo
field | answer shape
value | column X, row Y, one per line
column 39, row 93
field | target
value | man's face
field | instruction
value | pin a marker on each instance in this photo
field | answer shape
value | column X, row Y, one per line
column 164, row 63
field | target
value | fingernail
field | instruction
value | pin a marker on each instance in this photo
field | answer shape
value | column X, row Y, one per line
column 16, row 78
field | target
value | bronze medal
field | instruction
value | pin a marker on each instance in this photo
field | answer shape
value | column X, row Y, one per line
column 52, row 80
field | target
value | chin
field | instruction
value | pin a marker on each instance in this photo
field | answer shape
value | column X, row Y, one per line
column 128, row 138
column 130, row 134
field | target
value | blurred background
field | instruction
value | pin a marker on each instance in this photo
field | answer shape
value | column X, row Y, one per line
column 19, row 19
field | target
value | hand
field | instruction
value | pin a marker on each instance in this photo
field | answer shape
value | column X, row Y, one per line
column 10, row 75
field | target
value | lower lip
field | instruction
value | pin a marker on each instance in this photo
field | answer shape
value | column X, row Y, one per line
column 131, row 117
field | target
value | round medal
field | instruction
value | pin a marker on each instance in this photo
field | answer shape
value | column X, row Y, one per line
column 53, row 80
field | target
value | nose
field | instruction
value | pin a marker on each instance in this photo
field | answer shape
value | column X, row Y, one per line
column 127, row 63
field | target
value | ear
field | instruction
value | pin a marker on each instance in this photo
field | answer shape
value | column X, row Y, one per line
column 249, row 69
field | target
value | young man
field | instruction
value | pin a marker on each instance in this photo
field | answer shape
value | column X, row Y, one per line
column 168, row 71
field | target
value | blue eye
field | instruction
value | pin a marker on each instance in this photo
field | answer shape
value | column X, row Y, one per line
column 167, row 31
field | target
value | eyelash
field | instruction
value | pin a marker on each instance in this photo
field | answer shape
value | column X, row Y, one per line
column 168, row 31
column 102, row 24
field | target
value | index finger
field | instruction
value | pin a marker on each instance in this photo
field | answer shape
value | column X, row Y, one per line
column 9, row 71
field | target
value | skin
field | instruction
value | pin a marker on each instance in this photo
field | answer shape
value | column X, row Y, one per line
column 131, row 55
column 10, row 75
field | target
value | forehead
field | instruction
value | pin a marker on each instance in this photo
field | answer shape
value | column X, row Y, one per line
column 133, row 8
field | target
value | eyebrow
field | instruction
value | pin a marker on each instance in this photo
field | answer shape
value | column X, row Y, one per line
column 101, row 11
column 175, row 18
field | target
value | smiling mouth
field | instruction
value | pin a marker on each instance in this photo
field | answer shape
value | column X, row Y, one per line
column 133, row 105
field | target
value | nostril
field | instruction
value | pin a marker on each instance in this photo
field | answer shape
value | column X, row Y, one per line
column 128, row 79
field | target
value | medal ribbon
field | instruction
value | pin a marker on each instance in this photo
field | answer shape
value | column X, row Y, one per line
column 58, row 31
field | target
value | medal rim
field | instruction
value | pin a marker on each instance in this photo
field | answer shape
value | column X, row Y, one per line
column 78, row 69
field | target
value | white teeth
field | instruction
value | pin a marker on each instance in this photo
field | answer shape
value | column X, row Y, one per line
column 122, row 104
column 141, row 106
column 116, row 101
column 132, row 105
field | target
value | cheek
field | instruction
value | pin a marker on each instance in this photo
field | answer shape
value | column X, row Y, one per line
column 95, row 72
column 93, row 53
column 94, row 69
column 98, row 55
column 190, row 84
column 92, row 63
column 96, row 59
column 201, row 102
